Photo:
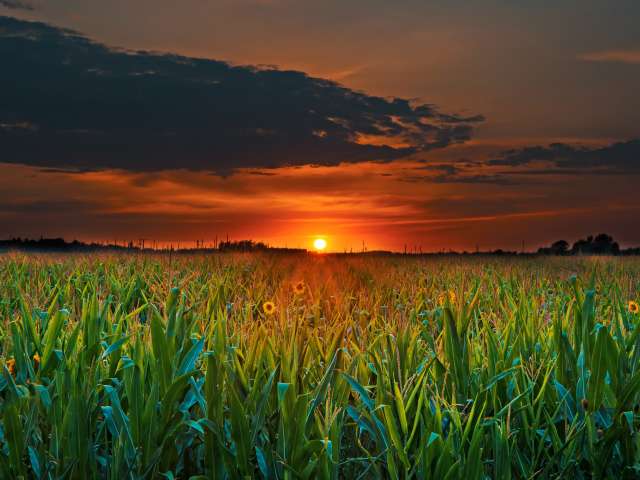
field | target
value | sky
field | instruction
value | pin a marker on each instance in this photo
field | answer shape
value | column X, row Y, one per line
column 427, row 124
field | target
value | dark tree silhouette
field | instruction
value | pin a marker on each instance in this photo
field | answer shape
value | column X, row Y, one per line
column 242, row 246
column 602, row 244
column 561, row 247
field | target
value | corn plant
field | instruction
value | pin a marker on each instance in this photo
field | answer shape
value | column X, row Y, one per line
column 301, row 367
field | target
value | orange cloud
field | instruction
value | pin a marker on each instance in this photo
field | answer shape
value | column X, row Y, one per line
column 619, row 56
column 348, row 204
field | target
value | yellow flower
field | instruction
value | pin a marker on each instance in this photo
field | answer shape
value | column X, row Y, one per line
column 36, row 360
column 298, row 288
column 633, row 307
column 442, row 298
column 11, row 366
column 269, row 308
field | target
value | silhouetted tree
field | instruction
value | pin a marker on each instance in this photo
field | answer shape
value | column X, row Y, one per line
column 561, row 247
column 242, row 246
column 602, row 244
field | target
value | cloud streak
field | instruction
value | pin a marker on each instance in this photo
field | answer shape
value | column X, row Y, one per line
column 616, row 158
column 106, row 108
column 614, row 56
column 15, row 5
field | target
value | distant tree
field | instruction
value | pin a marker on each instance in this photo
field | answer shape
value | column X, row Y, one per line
column 242, row 246
column 602, row 244
column 582, row 246
column 560, row 247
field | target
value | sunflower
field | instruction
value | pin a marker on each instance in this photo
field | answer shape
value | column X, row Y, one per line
column 298, row 288
column 36, row 360
column 442, row 298
column 269, row 308
column 11, row 366
column 633, row 307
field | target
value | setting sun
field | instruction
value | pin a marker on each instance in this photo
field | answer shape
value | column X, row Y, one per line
column 319, row 244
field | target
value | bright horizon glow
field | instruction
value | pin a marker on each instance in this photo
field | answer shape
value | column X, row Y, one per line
column 319, row 244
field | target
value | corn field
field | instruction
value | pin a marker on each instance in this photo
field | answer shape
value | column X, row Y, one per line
column 240, row 366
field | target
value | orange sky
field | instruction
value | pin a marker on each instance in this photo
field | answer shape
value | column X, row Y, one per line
column 537, row 74
column 380, row 204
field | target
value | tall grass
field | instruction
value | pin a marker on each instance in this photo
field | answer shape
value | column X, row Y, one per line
column 148, row 367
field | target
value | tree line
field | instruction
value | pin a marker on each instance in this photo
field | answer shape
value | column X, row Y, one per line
column 601, row 244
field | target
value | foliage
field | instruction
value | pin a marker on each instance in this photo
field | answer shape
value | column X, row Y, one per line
column 150, row 366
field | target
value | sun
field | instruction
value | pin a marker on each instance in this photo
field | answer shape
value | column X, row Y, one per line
column 319, row 244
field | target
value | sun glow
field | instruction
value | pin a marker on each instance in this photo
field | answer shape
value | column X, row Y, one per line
column 319, row 244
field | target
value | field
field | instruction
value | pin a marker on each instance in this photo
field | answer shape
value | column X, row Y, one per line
column 318, row 366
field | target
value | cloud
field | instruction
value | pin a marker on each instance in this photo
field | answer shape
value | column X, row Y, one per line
column 616, row 158
column 451, row 173
column 617, row 56
column 77, row 104
column 521, row 165
column 15, row 5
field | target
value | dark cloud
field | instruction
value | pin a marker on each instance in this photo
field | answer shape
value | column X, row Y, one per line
column 259, row 172
column 512, row 167
column 45, row 208
column 15, row 5
column 450, row 173
column 617, row 158
column 443, row 168
column 477, row 178
column 452, row 207
column 72, row 103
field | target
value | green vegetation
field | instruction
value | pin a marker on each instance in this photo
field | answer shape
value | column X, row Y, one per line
column 143, row 366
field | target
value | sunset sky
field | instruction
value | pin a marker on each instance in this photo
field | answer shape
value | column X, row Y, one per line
column 432, row 124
